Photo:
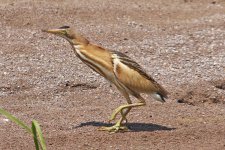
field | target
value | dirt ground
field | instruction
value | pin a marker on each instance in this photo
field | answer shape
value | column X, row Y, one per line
column 180, row 43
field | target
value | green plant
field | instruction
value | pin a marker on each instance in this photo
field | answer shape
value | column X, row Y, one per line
column 35, row 129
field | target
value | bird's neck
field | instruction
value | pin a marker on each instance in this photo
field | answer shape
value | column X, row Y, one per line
column 80, row 40
column 78, row 44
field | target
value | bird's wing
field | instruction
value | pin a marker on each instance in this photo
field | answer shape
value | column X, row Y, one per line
column 132, row 64
column 124, row 59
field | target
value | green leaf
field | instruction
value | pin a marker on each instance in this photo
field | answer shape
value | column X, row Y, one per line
column 39, row 133
column 16, row 120
column 35, row 136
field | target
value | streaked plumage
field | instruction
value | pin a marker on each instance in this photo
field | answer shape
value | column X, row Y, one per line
column 135, row 77
column 127, row 75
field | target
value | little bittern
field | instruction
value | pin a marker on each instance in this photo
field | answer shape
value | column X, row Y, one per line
column 116, row 67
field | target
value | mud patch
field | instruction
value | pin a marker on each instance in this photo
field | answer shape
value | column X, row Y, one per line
column 220, row 84
column 202, row 92
column 19, row 86
column 71, row 86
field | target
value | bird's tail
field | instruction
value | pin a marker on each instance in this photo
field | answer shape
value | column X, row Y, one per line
column 159, row 97
column 161, row 94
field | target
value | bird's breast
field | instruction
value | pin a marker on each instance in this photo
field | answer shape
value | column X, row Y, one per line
column 95, row 61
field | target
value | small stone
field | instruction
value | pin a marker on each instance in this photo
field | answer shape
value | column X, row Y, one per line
column 180, row 101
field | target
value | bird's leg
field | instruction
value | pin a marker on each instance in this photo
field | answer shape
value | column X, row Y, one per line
column 123, row 113
column 118, row 126
column 128, row 106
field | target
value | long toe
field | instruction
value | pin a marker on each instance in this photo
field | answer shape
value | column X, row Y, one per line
column 114, row 129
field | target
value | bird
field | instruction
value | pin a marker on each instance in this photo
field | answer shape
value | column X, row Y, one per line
column 119, row 69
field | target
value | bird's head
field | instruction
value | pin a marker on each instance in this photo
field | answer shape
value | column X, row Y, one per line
column 69, row 34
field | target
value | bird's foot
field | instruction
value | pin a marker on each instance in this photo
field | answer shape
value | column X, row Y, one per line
column 114, row 129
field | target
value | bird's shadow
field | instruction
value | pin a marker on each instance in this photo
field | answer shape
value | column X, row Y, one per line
column 135, row 127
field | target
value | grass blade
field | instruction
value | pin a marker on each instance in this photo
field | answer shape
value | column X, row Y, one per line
column 16, row 120
column 39, row 133
column 35, row 136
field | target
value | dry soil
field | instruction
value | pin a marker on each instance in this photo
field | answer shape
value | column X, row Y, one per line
column 180, row 43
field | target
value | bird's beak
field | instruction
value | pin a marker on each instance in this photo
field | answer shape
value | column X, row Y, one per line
column 53, row 31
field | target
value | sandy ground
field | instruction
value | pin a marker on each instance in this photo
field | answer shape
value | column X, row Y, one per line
column 180, row 43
